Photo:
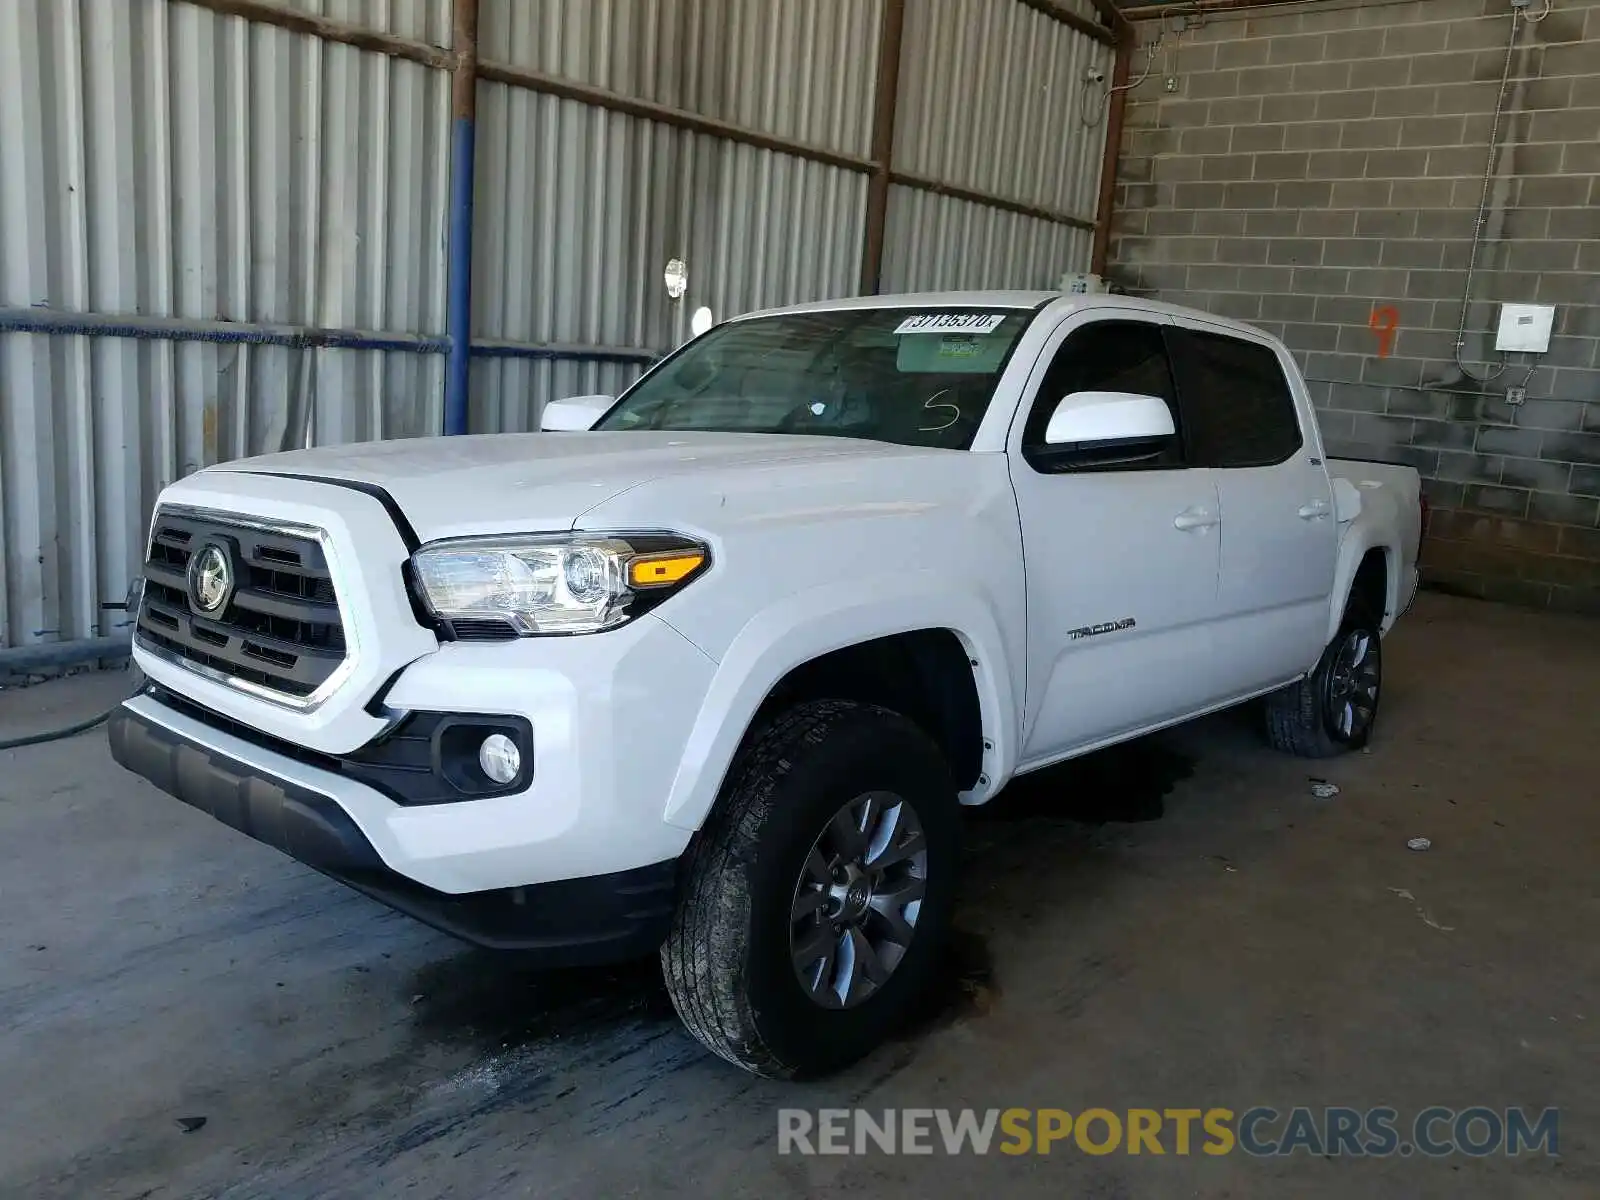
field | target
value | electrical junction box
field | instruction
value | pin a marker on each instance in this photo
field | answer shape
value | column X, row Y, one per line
column 1525, row 328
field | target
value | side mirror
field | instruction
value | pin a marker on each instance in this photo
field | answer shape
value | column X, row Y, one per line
column 574, row 414
column 1108, row 428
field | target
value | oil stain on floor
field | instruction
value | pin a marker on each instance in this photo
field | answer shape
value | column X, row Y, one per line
column 1124, row 783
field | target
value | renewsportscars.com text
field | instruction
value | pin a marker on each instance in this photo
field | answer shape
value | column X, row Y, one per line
column 1260, row 1132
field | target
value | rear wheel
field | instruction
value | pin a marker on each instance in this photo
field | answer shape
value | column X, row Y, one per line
column 1334, row 708
column 819, row 893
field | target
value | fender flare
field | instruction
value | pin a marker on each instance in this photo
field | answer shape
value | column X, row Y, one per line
column 1352, row 552
column 814, row 622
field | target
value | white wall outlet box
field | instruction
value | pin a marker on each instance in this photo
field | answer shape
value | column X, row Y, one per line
column 1525, row 328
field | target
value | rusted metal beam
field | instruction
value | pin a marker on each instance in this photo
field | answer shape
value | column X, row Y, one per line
column 956, row 192
column 884, row 107
column 1116, row 111
column 678, row 118
column 330, row 30
column 1083, row 25
column 53, row 322
column 464, row 60
column 1197, row 7
column 1115, row 15
column 1111, row 12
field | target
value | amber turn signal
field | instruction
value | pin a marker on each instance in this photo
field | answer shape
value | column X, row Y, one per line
column 663, row 570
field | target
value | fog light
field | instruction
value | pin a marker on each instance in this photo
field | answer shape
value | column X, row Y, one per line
column 499, row 758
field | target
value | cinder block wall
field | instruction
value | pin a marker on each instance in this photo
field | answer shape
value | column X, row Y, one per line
column 1321, row 165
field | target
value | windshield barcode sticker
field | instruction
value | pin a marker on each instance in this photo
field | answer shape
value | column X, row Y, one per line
column 951, row 322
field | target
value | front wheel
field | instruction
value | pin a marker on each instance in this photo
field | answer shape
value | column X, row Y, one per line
column 818, row 895
column 1334, row 708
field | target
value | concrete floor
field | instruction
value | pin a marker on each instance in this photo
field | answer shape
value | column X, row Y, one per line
column 1249, row 947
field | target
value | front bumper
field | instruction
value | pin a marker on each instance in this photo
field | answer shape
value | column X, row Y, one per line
column 607, row 719
column 610, row 716
column 599, row 918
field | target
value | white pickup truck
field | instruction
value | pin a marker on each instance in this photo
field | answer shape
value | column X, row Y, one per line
column 711, row 668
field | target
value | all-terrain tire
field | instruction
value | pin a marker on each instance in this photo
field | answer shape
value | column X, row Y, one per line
column 728, row 959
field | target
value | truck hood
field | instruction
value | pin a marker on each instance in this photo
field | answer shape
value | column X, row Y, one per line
column 523, row 482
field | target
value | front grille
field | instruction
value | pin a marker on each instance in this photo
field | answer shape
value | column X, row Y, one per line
column 280, row 627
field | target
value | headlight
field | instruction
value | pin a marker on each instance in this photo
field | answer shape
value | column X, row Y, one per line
column 566, row 583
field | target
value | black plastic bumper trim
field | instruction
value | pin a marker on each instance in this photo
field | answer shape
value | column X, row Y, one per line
column 305, row 825
column 381, row 764
column 571, row 922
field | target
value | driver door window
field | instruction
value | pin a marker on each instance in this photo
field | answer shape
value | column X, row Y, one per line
column 1105, row 356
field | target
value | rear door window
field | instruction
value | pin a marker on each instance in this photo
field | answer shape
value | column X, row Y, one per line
column 1238, row 410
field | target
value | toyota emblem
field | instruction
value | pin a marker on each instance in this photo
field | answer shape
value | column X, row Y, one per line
column 210, row 579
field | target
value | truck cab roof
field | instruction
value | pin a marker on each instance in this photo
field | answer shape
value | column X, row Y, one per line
column 1060, row 301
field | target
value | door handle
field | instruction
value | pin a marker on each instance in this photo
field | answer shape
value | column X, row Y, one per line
column 1317, row 508
column 1196, row 518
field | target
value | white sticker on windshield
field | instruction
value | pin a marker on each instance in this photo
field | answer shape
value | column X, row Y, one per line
column 956, row 345
column 951, row 322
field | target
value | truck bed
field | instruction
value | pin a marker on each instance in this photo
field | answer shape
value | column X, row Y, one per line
column 1388, row 494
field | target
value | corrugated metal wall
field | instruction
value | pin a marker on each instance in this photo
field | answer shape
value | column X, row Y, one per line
column 159, row 160
column 798, row 69
column 425, row 20
column 580, row 209
column 979, row 80
column 936, row 243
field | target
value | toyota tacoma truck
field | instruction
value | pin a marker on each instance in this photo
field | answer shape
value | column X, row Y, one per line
column 710, row 669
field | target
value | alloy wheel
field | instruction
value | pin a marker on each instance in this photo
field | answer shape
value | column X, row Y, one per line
column 857, row 900
column 1354, row 678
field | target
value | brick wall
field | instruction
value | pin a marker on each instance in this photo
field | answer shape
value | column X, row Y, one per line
column 1321, row 165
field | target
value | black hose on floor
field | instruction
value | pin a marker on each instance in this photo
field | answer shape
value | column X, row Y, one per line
column 55, row 735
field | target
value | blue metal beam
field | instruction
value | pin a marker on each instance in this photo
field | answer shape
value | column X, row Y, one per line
column 458, row 267
column 458, row 270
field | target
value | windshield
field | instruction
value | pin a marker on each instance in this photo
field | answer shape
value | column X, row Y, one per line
column 919, row 377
